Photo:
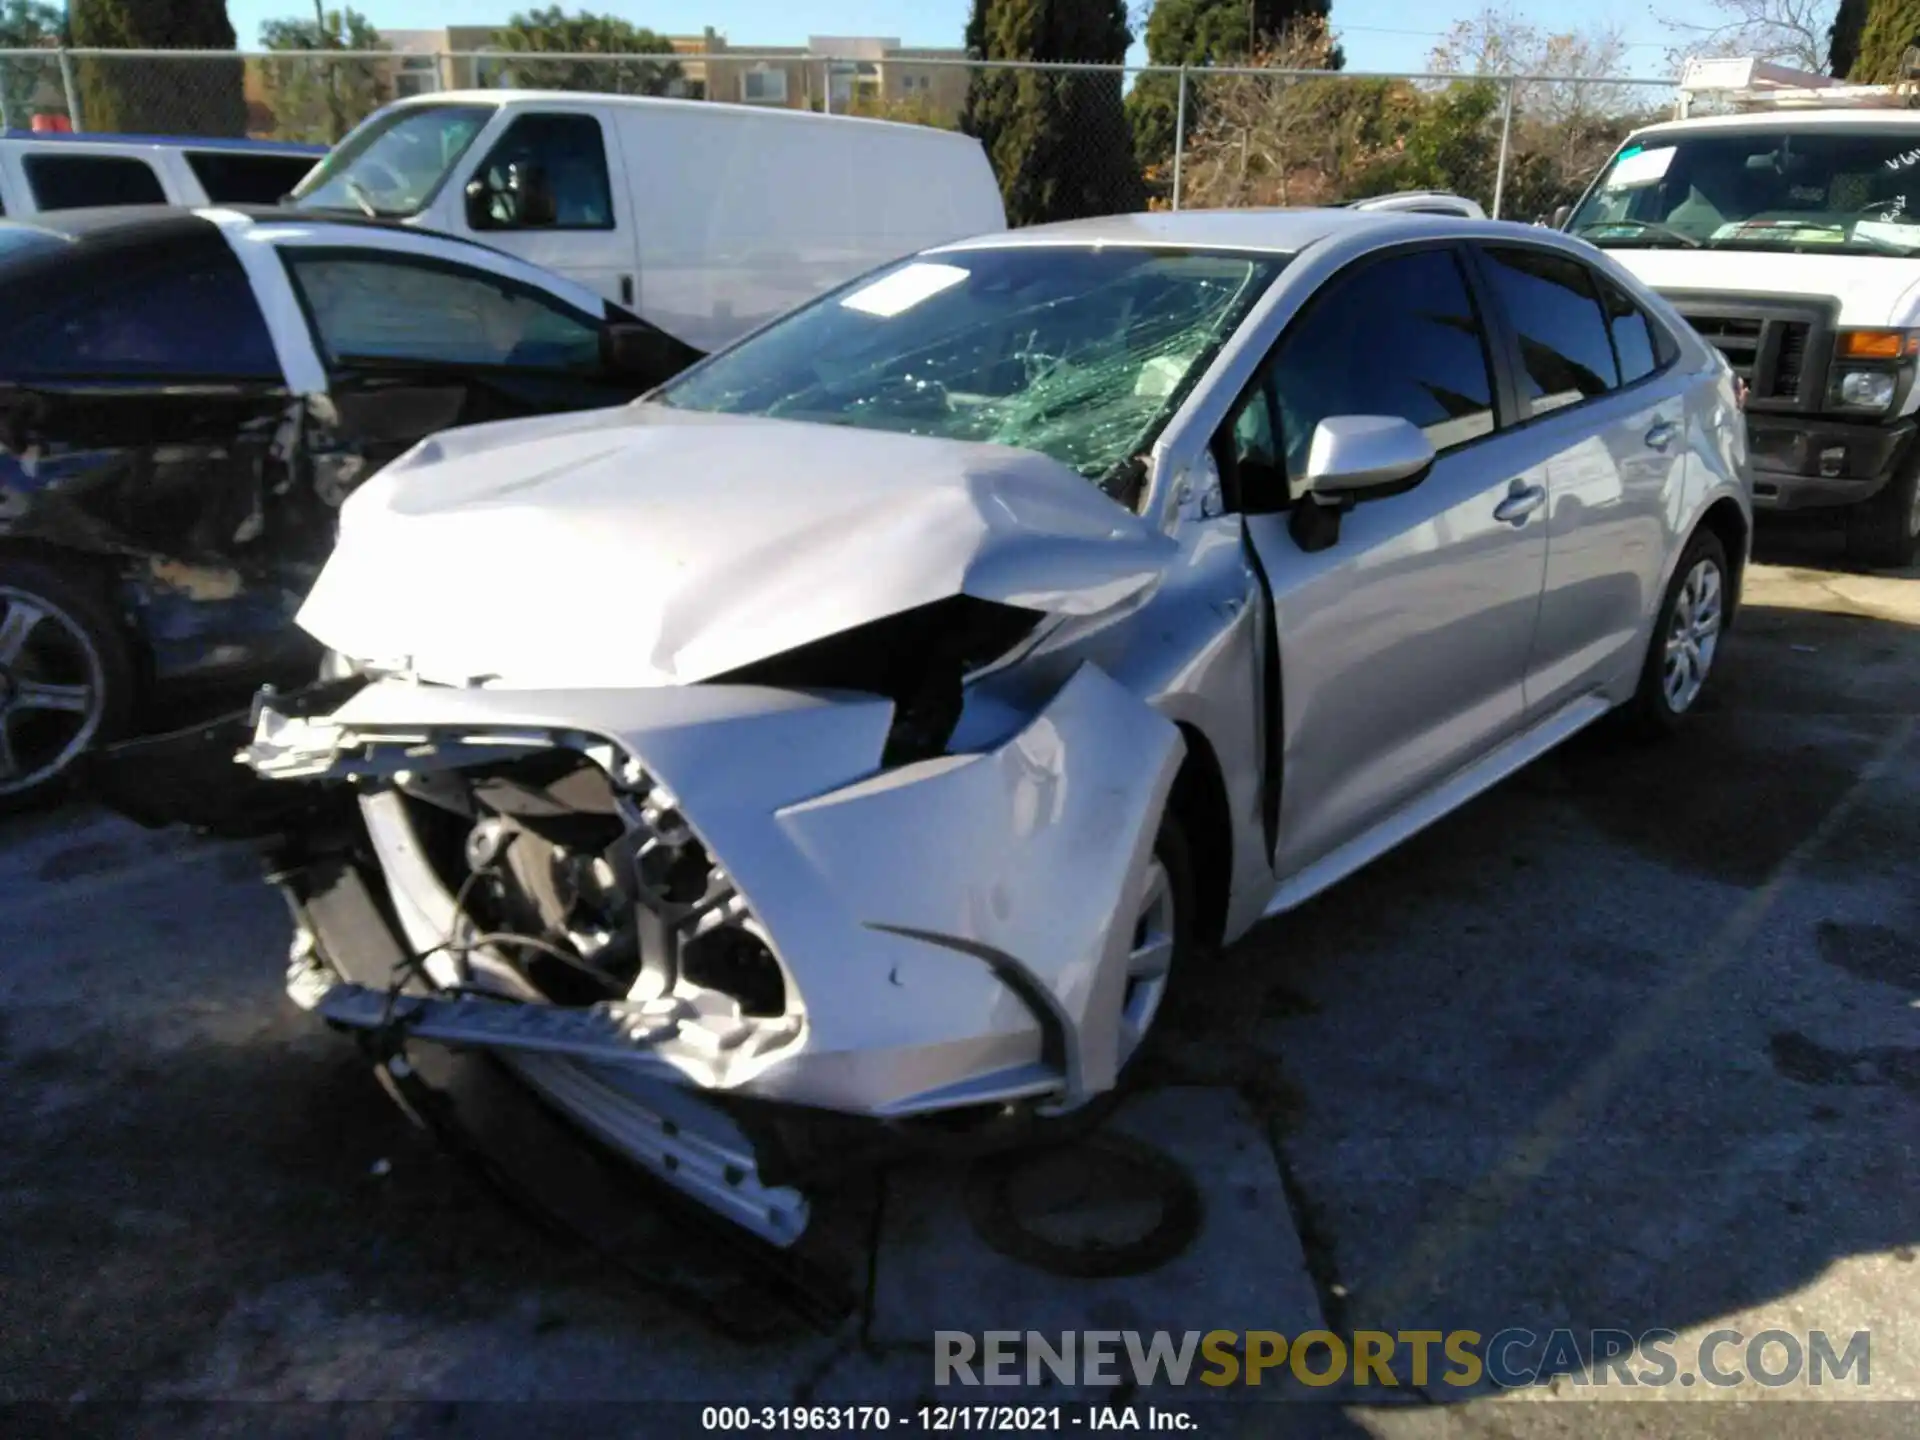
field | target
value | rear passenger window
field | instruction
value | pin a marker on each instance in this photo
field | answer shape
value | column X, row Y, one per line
column 568, row 151
column 75, row 182
column 1637, row 339
column 192, row 321
column 1565, row 354
column 1395, row 337
column 232, row 177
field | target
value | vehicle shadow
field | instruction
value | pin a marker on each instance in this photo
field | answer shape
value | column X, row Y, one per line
column 1627, row 1044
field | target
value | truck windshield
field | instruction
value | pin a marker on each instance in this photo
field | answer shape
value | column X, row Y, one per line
column 1825, row 190
column 1081, row 354
column 394, row 163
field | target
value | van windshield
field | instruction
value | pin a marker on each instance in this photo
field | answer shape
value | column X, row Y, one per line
column 1828, row 190
column 395, row 162
column 1081, row 354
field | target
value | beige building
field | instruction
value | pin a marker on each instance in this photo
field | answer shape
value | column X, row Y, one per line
column 865, row 74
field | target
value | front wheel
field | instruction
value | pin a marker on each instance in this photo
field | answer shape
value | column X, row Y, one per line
column 66, row 677
column 1883, row 531
column 1686, row 638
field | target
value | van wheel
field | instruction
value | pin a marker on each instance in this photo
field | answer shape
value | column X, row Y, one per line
column 1883, row 531
column 66, row 677
column 1686, row 639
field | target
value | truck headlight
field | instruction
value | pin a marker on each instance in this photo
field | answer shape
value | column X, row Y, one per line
column 1866, row 389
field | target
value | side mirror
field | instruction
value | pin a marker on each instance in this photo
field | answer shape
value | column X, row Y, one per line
column 639, row 352
column 1353, row 458
column 1561, row 214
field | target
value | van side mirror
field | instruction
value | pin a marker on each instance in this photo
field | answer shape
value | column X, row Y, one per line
column 1354, row 458
column 524, row 201
column 1561, row 214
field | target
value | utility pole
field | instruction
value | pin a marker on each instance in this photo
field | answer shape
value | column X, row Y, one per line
column 323, row 40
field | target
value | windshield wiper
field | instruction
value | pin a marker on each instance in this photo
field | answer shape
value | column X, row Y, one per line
column 358, row 191
column 1644, row 227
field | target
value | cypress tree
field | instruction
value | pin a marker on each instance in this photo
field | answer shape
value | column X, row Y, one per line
column 144, row 96
column 1890, row 27
column 1058, row 140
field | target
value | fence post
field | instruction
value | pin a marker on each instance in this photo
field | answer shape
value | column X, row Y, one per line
column 6, row 117
column 73, row 90
column 1506, row 135
column 443, row 66
column 1179, row 135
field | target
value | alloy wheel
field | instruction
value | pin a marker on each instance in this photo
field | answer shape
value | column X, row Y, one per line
column 52, row 689
column 1693, row 635
column 1150, row 962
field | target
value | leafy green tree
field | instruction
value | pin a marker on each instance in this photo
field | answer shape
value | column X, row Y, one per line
column 322, row 99
column 1206, row 32
column 1843, row 37
column 1058, row 139
column 25, row 25
column 141, row 95
column 1891, row 26
column 554, row 32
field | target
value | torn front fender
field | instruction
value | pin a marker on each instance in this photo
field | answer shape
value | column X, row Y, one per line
column 951, row 932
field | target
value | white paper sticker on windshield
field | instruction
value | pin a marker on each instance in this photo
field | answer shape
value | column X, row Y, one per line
column 905, row 288
column 1639, row 167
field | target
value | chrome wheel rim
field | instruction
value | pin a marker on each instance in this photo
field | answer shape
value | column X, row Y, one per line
column 52, row 690
column 1693, row 635
column 1150, row 962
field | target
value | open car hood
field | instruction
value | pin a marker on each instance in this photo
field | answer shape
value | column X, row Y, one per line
column 646, row 546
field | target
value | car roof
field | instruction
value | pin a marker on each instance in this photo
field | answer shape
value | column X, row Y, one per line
column 123, row 221
column 1811, row 119
column 1278, row 232
column 98, row 140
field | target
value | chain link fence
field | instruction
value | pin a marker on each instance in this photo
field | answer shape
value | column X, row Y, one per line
column 1065, row 140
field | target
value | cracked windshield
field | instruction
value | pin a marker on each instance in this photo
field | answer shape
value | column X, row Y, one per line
column 1080, row 354
column 1849, row 191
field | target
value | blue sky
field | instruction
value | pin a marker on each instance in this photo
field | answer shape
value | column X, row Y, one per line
column 1379, row 34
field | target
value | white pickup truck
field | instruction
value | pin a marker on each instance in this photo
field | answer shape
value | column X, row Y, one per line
column 1788, row 233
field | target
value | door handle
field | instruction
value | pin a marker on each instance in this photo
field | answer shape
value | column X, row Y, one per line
column 1661, row 435
column 626, row 291
column 1522, row 501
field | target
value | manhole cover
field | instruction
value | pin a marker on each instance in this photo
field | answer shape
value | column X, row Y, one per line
column 1104, row 1207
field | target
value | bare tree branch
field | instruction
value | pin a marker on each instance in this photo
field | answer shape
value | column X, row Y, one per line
column 1787, row 32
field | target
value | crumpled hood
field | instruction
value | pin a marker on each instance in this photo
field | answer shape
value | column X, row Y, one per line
column 648, row 546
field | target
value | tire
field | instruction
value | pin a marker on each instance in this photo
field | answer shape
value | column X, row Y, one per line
column 1025, row 1126
column 67, row 677
column 1883, row 531
column 1665, row 698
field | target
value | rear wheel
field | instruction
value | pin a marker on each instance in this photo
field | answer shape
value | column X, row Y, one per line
column 1686, row 640
column 1883, row 532
column 66, row 677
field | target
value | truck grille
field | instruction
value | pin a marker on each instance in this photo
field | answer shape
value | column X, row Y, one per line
column 1773, row 347
column 1738, row 339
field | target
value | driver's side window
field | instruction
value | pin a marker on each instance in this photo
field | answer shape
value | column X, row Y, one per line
column 568, row 155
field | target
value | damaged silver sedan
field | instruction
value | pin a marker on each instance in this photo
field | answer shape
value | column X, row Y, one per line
column 877, row 719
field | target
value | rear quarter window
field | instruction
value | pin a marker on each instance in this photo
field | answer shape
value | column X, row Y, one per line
column 236, row 178
column 78, row 182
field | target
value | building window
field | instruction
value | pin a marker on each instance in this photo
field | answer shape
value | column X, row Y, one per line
column 761, row 86
column 419, row 75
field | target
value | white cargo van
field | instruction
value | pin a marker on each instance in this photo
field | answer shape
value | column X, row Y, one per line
column 1788, row 231
column 706, row 218
column 43, row 171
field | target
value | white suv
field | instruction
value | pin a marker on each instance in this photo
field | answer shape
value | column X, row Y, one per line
column 42, row 172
